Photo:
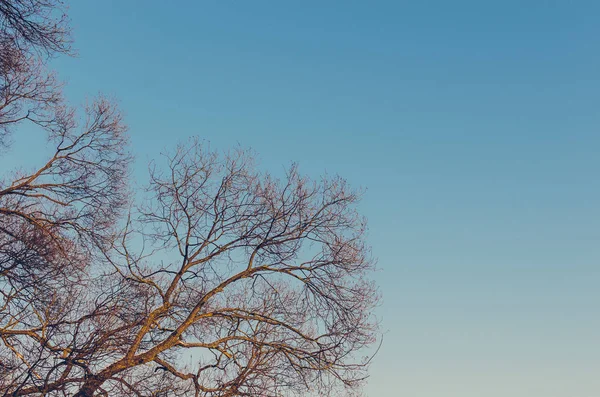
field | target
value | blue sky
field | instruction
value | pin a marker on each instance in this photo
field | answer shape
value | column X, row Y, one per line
column 473, row 126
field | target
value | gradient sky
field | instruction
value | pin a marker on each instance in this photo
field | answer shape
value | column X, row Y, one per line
column 473, row 125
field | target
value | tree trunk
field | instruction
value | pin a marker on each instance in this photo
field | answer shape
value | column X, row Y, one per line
column 89, row 387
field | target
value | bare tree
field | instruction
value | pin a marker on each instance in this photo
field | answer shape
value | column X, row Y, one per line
column 54, row 223
column 220, row 280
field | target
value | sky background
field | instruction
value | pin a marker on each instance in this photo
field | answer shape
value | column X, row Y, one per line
column 473, row 125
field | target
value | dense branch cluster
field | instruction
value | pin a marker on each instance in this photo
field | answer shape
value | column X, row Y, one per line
column 217, row 280
column 30, row 32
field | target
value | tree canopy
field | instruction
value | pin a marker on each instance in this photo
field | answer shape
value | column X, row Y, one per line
column 216, row 279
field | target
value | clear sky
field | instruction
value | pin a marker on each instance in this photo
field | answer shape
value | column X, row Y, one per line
column 473, row 125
